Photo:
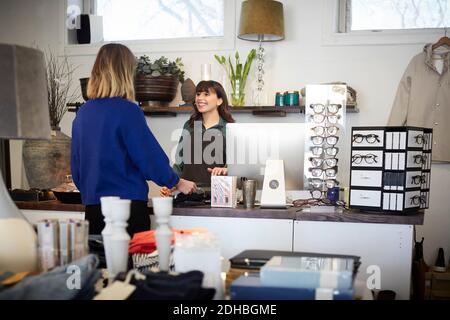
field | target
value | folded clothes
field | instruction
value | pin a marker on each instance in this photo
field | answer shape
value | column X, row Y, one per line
column 167, row 286
column 75, row 281
column 145, row 242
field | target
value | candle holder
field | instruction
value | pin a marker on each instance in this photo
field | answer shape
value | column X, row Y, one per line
column 107, row 232
column 120, row 238
column 162, row 208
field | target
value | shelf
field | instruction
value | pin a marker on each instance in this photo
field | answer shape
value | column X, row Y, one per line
column 267, row 111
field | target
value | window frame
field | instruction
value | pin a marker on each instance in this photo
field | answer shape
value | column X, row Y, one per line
column 334, row 24
column 227, row 42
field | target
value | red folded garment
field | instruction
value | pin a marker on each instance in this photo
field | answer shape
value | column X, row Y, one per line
column 145, row 242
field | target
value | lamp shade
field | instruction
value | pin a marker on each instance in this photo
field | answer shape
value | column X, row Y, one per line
column 261, row 20
column 23, row 94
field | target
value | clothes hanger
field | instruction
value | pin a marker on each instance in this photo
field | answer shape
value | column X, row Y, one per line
column 444, row 41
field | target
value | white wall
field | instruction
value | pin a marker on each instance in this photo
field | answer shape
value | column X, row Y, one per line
column 374, row 71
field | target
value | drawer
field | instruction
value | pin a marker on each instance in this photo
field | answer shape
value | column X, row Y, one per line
column 392, row 201
column 414, row 159
column 366, row 178
column 396, row 140
column 425, row 204
column 365, row 198
column 428, row 141
column 394, row 160
column 414, row 179
column 394, row 181
column 426, row 180
column 426, row 165
column 412, row 199
column 367, row 158
column 368, row 138
column 416, row 139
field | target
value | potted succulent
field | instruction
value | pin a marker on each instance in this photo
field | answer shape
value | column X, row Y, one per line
column 237, row 75
column 156, row 81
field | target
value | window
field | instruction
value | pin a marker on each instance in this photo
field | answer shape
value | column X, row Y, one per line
column 394, row 14
column 157, row 19
column 153, row 25
column 368, row 22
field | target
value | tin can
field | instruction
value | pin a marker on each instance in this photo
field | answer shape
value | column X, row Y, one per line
column 292, row 99
column 279, row 99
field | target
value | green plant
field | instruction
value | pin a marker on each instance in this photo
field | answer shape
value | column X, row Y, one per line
column 160, row 67
column 237, row 74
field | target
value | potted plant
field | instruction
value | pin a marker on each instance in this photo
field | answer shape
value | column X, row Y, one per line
column 47, row 162
column 237, row 75
column 156, row 81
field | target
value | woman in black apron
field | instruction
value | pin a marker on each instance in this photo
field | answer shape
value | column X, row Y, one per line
column 201, row 150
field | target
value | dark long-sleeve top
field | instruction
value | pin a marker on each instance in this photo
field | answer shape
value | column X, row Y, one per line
column 114, row 152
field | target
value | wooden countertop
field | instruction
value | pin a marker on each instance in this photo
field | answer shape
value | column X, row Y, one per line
column 52, row 205
column 354, row 216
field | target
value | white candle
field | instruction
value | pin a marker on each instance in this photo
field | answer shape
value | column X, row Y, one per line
column 206, row 71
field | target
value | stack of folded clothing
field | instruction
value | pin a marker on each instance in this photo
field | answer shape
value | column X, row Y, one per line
column 295, row 276
column 142, row 248
column 168, row 286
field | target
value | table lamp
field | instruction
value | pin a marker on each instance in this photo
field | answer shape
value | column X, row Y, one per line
column 261, row 21
column 24, row 115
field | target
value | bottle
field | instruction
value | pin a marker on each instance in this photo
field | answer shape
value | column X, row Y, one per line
column 120, row 238
column 419, row 268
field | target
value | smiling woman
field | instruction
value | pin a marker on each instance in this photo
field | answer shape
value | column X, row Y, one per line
column 201, row 148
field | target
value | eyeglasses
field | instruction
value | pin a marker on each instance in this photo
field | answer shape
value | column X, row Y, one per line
column 369, row 158
column 418, row 179
column 418, row 200
column 320, row 131
column 420, row 139
column 370, row 138
column 330, row 151
column 331, row 108
column 317, row 202
column 317, row 193
column 317, row 162
column 319, row 118
column 329, row 172
column 420, row 158
column 331, row 140
column 319, row 183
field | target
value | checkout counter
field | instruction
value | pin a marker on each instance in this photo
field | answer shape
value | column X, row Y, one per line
column 384, row 242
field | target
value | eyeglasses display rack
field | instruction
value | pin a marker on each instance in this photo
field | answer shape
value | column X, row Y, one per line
column 324, row 124
column 390, row 168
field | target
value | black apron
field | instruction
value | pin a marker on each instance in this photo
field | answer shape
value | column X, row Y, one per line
column 198, row 172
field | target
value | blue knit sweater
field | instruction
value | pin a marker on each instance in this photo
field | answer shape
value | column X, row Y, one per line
column 114, row 152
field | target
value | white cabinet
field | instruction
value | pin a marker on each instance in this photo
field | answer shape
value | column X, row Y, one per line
column 239, row 234
column 386, row 246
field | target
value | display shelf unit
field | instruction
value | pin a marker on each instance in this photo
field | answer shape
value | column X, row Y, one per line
column 264, row 111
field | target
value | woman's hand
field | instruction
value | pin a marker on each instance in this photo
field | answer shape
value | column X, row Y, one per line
column 218, row 171
column 166, row 192
column 186, row 186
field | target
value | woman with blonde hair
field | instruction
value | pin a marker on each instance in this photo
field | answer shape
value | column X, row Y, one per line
column 114, row 152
